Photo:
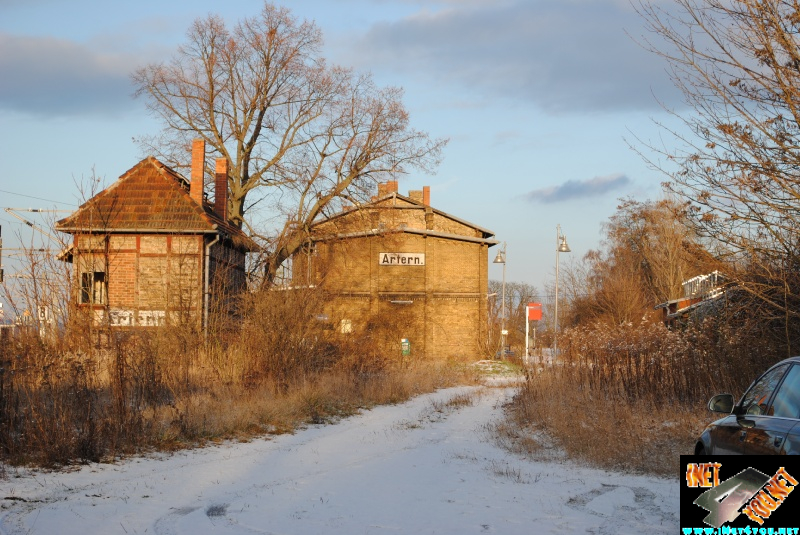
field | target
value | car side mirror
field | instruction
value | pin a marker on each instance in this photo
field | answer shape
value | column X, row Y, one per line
column 721, row 403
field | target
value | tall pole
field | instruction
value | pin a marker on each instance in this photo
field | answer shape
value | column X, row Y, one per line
column 501, row 259
column 503, row 311
column 527, row 334
column 555, row 312
column 561, row 247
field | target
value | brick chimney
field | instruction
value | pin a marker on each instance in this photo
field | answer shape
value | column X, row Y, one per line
column 198, row 170
column 386, row 188
column 221, row 189
column 415, row 195
column 426, row 195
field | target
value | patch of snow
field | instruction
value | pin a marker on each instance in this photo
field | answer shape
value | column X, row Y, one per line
column 425, row 466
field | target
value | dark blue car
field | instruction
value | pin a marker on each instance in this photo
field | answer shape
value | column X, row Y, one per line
column 766, row 421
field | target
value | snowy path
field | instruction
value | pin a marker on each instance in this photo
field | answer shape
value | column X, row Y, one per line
column 398, row 469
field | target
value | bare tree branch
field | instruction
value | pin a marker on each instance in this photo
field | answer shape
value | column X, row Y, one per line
column 297, row 133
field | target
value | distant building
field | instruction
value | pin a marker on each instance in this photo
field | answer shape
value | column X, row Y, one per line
column 398, row 263
column 149, row 249
column 702, row 295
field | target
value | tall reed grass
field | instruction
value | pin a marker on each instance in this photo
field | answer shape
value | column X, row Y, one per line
column 633, row 397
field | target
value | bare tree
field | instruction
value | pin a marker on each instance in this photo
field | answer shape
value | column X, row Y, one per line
column 656, row 240
column 737, row 154
column 298, row 134
column 648, row 251
column 517, row 297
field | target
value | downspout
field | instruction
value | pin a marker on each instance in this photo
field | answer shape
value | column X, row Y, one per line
column 206, row 285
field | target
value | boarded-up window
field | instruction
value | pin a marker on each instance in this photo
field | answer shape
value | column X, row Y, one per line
column 119, row 243
column 185, row 245
column 184, row 282
column 152, row 282
column 153, row 244
column 89, row 242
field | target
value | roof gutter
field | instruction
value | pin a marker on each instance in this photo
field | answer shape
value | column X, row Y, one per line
column 70, row 230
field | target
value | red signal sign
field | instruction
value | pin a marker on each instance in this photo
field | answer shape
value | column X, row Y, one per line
column 534, row 311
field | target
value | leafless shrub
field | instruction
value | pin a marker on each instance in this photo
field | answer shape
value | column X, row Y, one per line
column 88, row 393
column 633, row 397
column 284, row 337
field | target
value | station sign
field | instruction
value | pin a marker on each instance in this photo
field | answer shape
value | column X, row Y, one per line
column 401, row 259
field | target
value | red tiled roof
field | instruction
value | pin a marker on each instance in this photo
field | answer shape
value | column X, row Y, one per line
column 150, row 197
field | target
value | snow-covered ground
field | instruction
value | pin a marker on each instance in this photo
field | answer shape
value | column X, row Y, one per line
column 419, row 467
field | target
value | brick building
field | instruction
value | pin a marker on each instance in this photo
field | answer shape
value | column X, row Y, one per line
column 150, row 249
column 399, row 263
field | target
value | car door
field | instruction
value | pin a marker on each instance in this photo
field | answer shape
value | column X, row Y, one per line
column 791, row 444
column 725, row 437
column 730, row 434
column 769, row 432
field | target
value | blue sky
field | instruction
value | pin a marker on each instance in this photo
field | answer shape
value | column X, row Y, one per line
column 537, row 98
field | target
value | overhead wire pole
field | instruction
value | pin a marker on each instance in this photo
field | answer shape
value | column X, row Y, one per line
column 42, row 308
column 34, row 226
column 11, row 212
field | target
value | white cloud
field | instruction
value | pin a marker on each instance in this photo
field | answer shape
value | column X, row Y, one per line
column 43, row 75
column 579, row 189
column 562, row 55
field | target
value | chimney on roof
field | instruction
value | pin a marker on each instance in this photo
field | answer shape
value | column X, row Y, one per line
column 415, row 195
column 198, row 170
column 221, row 189
column 386, row 188
column 426, row 195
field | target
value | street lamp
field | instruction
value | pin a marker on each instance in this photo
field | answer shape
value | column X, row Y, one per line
column 501, row 259
column 562, row 247
column 489, row 321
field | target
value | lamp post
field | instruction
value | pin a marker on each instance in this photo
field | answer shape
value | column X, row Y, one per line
column 501, row 259
column 489, row 321
column 561, row 247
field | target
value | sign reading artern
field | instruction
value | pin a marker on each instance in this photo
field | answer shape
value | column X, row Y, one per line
column 401, row 259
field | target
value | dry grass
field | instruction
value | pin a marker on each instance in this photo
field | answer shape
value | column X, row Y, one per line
column 65, row 400
column 631, row 398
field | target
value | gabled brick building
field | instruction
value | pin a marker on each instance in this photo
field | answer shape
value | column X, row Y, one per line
column 150, row 249
column 399, row 262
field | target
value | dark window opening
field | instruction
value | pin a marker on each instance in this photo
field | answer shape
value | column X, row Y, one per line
column 93, row 288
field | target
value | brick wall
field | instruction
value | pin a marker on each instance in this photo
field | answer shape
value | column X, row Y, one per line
column 440, row 307
column 151, row 279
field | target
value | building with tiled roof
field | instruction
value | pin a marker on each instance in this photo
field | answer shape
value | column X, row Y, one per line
column 150, row 249
column 397, row 269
